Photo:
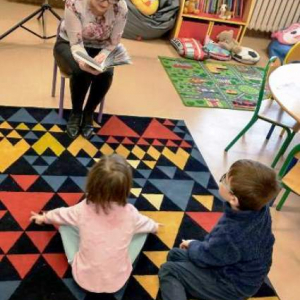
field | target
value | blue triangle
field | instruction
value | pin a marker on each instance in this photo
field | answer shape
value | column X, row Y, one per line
column 188, row 137
column 169, row 171
column 201, row 177
column 30, row 159
column 22, row 116
column 7, row 288
column 178, row 191
column 120, row 293
column 145, row 173
column 140, row 181
column 80, row 181
column 96, row 138
column 2, row 177
column 1, row 119
column 215, row 193
column 84, row 160
column 30, row 136
column 177, row 129
column 49, row 159
column 53, row 118
column 40, row 169
column 55, row 181
column 197, row 155
column 131, row 200
column 74, row 288
column 180, row 123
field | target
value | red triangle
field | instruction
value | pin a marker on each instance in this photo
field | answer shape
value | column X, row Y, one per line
column 8, row 238
column 171, row 144
column 114, row 126
column 168, row 123
column 1, row 256
column 184, row 144
column 157, row 143
column 71, row 198
column 20, row 204
column 25, row 181
column 207, row 220
column 141, row 141
column 127, row 141
column 41, row 238
column 156, row 130
column 23, row 262
column 112, row 140
column 2, row 213
column 58, row 263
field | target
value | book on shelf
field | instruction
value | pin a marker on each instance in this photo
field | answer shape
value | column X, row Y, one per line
column 119, row 56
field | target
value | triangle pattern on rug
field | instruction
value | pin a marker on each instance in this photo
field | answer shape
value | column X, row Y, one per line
column 22, row 116
column 74, row 288
column 23, row 262
column 25, row 181
column 8, row 239
column 207, row 220
column 71, row 198
column 156, row 130
column 58, row 263
column 55, row 181
column 149, row 283
column 157, row 257
column 206, row 200
column 201, row 177
column 41, row 238
column 53, row 118
column 154, row 199
column 7, row 288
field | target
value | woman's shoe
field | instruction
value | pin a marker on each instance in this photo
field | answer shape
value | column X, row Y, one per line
column 87, row 128
column 73, row 125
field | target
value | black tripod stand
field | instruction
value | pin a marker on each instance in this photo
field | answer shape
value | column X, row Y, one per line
column 40, row 13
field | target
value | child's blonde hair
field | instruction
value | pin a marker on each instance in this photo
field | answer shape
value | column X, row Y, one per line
column 109, row 181
column 253, row 183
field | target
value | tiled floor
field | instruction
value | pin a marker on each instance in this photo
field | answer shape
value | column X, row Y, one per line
column 144, row 89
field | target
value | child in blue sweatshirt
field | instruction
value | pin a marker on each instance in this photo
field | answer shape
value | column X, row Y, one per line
column 235, row 257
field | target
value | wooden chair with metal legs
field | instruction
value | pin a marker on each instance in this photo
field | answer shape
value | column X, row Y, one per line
column 270, row 111
column 290, row 175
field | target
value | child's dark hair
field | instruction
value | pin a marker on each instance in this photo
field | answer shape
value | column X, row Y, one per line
column 109, row 181
column 253, row 183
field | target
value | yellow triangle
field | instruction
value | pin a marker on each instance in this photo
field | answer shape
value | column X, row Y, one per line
column 39, row 127
column 171, row 221
column 157, row 257
column 207, row 201
column 179, row 158
column 154, row 199
column 106, row 149
column 55, row 128
column 149, row 283
column 22, row 126
column 134, row 163
column 14, row 134
column 123, row 151
column 136, row 191
column 1, row 135
column 96, row 125
column 5, row 125
column 150, row 163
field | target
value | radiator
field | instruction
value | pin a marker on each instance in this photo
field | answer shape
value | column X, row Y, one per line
column 271, row 15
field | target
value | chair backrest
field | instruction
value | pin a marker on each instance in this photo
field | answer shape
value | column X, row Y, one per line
column 292, row 158
column 273, row 64
column 293, row 55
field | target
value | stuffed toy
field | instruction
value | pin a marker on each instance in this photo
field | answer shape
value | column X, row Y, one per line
column 190, row 7
column 226, row 41
column 224, row 13
column 288, row 36
column 146, row 7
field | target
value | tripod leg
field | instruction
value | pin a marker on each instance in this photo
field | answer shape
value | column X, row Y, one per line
column 20, row 24
column 55, row 14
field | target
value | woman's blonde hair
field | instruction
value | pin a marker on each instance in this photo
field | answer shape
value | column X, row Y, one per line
column 109, row 181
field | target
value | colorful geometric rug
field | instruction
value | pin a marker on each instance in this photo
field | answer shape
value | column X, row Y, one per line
column 42, row 169
column 214, row 85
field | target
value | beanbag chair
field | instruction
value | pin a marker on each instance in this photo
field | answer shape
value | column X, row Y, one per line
column 140, row 26
column 277, row 49
column 189, row 48
column 146, row 7
column 246, row 56
column 288, row 36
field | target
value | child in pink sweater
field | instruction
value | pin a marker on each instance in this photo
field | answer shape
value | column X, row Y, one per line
column 99, row 233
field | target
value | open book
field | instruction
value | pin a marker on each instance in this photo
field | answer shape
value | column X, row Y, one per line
column 117, row 57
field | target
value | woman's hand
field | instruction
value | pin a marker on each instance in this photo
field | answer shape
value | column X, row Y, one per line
column 37, row 218
column 86, row 68
column 185, row 244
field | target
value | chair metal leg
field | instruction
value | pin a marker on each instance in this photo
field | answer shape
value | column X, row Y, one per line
column 248, row 126
column 286, row 143
column 101, row 111
column 270, row 132
column 282, row 200
column 61, row 97
column 54, row 79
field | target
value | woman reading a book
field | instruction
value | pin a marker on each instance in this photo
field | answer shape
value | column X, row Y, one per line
column 92, row 27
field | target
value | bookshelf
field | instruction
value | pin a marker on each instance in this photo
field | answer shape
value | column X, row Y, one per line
column 204, row 23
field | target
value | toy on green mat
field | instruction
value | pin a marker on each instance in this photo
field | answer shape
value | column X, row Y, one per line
column 215, row 68
column 231, row 92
